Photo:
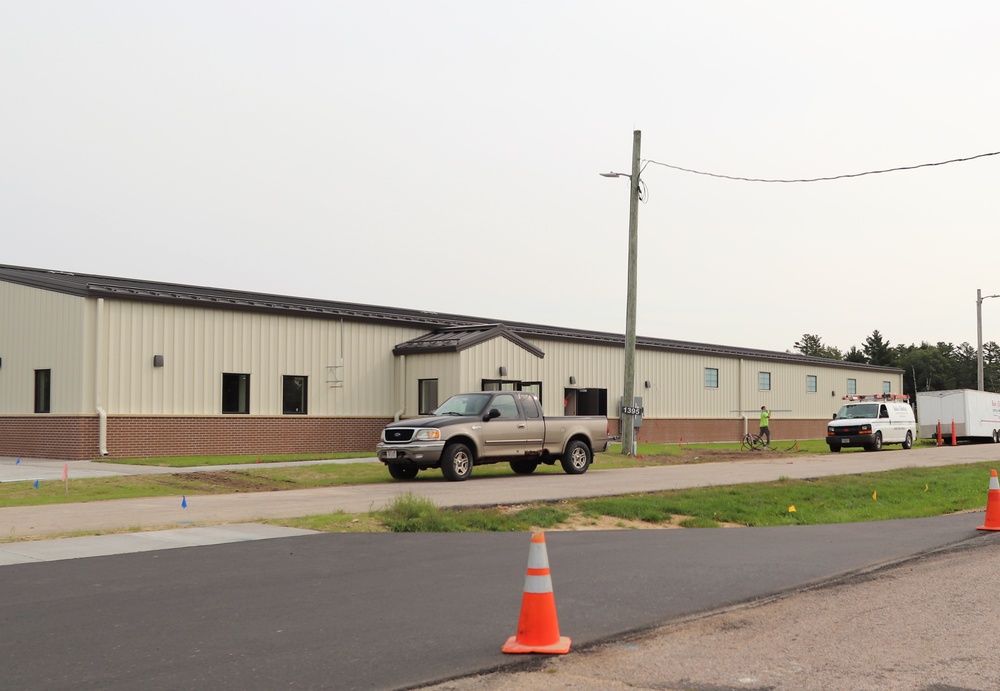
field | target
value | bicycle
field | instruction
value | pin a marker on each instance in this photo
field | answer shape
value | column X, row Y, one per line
column 753, row 442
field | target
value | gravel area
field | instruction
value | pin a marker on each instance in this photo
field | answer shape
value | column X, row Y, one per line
column 927, row 624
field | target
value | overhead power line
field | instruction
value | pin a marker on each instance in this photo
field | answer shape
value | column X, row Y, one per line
column 824, row 179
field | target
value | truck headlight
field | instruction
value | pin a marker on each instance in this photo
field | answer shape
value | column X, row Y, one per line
column 428, row 434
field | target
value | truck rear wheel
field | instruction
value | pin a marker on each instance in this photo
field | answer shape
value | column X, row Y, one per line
column 523, row 466
column 456, row 462
column 402, row 471
column 577, row 458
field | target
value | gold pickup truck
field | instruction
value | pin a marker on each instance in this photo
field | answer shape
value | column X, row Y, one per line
column 473, row 429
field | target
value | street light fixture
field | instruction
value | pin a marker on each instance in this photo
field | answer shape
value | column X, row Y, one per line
column 979, row 333
column 628, row 388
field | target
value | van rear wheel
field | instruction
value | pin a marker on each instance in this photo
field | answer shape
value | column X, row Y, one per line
column 908, row 442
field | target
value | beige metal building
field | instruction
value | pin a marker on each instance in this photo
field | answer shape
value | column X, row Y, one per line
column 95, row 366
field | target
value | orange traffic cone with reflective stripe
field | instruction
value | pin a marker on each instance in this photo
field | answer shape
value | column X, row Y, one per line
column 992, row 505
column 537, row 627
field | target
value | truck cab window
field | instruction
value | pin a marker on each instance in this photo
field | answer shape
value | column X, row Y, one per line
column 505, row 404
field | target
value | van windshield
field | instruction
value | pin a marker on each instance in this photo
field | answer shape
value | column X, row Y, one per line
column 850, row 412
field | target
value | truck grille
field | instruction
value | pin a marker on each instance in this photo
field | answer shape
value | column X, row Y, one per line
column 397, row 435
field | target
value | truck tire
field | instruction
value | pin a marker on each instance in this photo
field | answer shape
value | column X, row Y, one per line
column 523, row 466
column 835, row 448
column 876, row 444
column 402, row 471
column 908, row 442
column 577, row 458
column 456, row 462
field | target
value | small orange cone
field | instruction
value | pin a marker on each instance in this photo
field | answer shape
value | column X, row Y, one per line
column 537, row 627
column 992, row 505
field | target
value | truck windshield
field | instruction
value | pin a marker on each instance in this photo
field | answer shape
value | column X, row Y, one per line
column 849, row 412
column 464, row 404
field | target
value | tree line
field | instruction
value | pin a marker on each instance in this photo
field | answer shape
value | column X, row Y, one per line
column 928, row 367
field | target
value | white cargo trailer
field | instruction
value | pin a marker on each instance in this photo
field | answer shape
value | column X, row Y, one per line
column 976, row 414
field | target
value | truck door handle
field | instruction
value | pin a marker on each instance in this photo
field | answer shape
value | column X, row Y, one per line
column 520, row 425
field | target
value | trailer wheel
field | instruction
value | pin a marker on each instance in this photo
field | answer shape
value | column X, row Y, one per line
column 577, row 458
column 908, row 442
column 996, row 436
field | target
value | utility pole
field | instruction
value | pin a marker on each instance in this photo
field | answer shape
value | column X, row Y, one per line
column 628, row 389
column 979, row 334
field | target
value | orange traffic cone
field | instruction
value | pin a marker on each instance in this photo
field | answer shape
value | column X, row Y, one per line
column 992, row 505
column 538, row 627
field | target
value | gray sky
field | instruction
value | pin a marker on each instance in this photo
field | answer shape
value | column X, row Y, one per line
column 444, row 156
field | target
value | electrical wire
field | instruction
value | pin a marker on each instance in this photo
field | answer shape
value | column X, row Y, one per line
column 825, row 179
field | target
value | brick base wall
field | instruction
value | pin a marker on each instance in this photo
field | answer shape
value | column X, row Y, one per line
column 145, row 437
column 77, row 438
column 49, row 436
column 659, row 431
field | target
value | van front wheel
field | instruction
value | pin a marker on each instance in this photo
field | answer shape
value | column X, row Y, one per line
column 876, row 444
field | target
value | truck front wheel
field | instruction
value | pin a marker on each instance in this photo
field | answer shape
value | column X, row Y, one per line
column 577, row 458
column 456, row 462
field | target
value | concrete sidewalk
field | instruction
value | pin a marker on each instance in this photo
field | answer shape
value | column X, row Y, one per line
column 173, row 512
column 13, row 469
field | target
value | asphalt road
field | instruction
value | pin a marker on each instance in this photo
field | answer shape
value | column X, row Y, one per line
column 388, row 611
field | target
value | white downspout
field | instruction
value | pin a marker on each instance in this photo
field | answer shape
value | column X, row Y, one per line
column 402, row 388
column 102, row 435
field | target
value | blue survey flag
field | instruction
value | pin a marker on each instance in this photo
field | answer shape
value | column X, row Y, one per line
column 36, row 484
column 184, row 502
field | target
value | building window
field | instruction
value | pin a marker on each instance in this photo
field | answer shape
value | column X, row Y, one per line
column 764, row 381
column 810, row 383
column 711, row 378
column 887, row 387
column 236, row 393
column 534, row 387
column 428, row 396
column 294, row 395
column 43, row 390
column 852, row 387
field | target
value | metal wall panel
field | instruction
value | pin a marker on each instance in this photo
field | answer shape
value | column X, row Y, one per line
column 349, row 365
column 44, row 330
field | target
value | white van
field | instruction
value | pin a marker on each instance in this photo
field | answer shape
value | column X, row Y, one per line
column 871, row 421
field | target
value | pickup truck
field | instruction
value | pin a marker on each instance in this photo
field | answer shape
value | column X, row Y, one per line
column 473, row 429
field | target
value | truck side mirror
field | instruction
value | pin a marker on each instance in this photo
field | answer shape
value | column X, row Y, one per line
column 834, row 416
column 494, row 413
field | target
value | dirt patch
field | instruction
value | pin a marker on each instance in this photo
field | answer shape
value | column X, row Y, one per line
column 220, row 482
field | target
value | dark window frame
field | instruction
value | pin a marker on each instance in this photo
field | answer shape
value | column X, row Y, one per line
column 43, row 391
column 234, row 392
column 813, row 381
column 763, row 381
column 424, row 406
column 709, row 385
column 291, row 393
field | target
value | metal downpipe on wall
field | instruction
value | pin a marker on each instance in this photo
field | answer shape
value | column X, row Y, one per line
column 102, row 417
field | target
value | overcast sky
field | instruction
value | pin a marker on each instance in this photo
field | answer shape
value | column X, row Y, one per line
column 444, row 156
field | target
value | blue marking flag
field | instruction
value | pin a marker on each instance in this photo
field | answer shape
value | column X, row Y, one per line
column 184, row 502
column 18, row 461
column 36, row 484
